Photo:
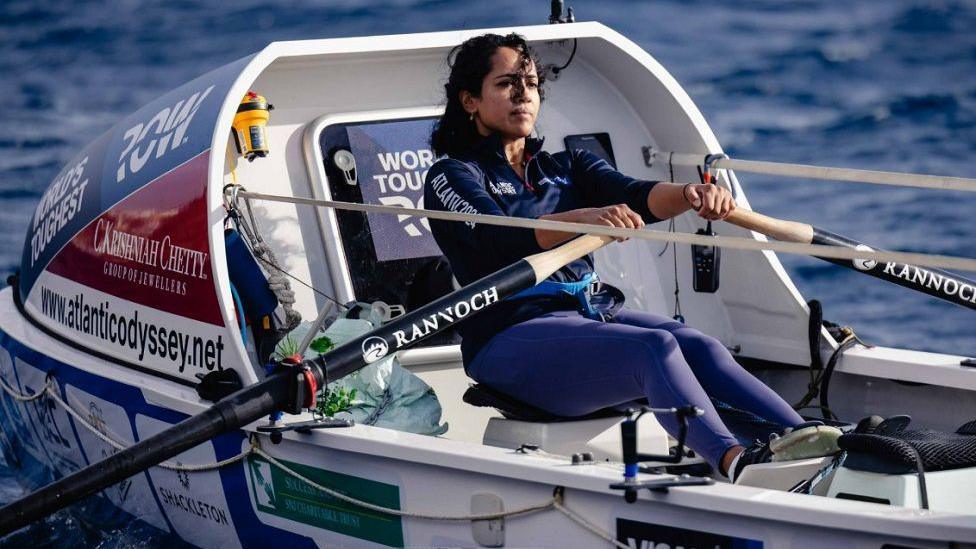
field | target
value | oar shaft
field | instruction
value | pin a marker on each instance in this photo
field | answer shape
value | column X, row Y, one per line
column 283, row 390
column 934, row 282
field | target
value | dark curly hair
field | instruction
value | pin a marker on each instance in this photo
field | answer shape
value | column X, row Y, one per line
column 470, row 62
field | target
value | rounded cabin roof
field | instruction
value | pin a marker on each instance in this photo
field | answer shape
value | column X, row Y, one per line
column 119, row 257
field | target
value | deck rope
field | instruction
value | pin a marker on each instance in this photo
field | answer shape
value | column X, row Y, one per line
column 24, row 397
column 739, row 243
column 556, row 502
column 120, row 446
column 851, row 175
column 597, row 531
column 50, row 391
column 551, row 503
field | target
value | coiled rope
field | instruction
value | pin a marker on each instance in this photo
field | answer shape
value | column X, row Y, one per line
column 278, row 281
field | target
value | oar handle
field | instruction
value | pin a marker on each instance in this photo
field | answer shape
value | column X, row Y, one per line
column 547, row 262
column 934, row 282
column 787, row 231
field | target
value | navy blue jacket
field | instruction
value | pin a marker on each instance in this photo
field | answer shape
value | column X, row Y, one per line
column 482, row 181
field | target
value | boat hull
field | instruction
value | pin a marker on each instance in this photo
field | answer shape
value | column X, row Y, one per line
column 254, row 503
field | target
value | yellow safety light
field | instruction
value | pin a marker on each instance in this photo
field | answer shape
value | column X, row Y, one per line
column 249, row 122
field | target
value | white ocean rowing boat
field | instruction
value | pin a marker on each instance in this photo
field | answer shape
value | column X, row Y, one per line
column 124, row 297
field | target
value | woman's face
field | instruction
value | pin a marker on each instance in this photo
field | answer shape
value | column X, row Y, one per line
column 509, row 101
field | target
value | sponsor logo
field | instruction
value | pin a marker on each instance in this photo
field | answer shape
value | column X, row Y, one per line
column 864, row 264
column 558, row 181
column 645, row 535
column 162, row 133
column 445, row 317
column 404, row 171
column 97, row 420
column 161, row 253
column 280, row 494
column 265, row 490
column 60, row 204
column 183, row 476
column 374, row 348
column 450, row 199
column 405, row 220
column 193, row 506
column 45, row 407
column 933, row 281
column 143, row 339
column 502, row 187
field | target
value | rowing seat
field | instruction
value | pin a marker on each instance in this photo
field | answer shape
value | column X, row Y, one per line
column 597, row 433
column 483, row 396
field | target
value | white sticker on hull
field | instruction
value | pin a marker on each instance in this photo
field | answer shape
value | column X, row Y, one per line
column 133, row 494
column 171, row 344
column 193, row 502
column 51, row 421
column 15, row 413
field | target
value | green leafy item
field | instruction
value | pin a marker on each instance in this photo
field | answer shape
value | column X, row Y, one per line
column 335, row 400
column 322, row 345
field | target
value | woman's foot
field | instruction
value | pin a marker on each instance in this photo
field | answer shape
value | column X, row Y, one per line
column 739, row 457
column 807, row 440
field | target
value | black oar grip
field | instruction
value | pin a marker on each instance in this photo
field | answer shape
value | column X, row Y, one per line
column 934, row 282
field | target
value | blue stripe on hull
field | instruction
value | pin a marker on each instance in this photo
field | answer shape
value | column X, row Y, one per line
column 32, row 447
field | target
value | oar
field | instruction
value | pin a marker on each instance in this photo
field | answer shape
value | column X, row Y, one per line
column 287, row 389
column 934, row 282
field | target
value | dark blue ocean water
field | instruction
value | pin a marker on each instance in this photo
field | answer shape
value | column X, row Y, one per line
column 876, row 85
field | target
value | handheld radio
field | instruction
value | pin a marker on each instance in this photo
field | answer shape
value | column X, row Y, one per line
column 705, row 260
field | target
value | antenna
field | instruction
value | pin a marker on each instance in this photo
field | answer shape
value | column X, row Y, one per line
column 556, row 13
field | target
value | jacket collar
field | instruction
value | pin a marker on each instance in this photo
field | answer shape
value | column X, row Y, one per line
column 491, row 147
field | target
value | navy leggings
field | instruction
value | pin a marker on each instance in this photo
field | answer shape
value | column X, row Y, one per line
column 569, row 365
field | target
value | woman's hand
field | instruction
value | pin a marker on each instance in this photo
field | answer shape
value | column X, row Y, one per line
column 710, row 201
column 618, row 215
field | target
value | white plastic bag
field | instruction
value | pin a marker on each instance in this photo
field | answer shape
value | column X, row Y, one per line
column 387, row 394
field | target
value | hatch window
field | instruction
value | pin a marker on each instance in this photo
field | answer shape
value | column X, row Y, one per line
column 390, row 258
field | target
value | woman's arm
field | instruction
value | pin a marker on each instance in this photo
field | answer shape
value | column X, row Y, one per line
column 712, row 202
column 664, row 201
column 619, row 215
column 654, row 201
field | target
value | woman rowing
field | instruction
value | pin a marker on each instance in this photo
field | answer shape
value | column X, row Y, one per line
column 555, row 347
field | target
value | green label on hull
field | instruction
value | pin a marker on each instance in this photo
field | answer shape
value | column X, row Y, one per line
column 278, row 493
